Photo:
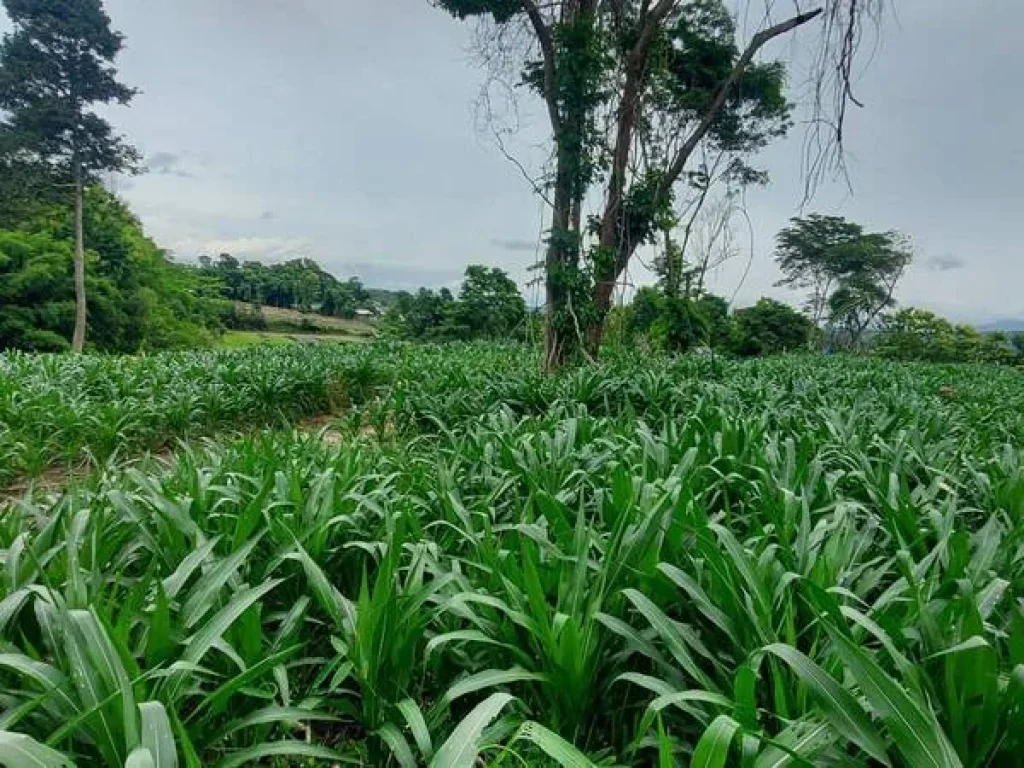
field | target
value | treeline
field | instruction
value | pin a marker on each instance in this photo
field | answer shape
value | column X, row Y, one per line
column 918, row 335
column 677, row 324
column 488, row 306
column 140, row 299
column 299, row 284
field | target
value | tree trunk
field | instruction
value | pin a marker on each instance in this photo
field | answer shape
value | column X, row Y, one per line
column 559, row 343
column 614, row 238
column 78, row 340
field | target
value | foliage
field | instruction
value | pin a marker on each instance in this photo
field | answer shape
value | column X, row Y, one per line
column 422, row 316
column 800, row 561
column 36, row 295
column 716, row 311
column 677, row 324
column 54, row 67
column 851, row 273
column 489, row 306
column 139, row 299
column 299, row 284
column 770, row 327
column 632, row 90
column 57, row 409
column 916, row 334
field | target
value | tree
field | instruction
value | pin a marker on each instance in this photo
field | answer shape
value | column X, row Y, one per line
column 55, row 67
column 851, row 274
column 667, row 76
column 490, row 305
column 916, row 334
column 36, row 307
column 139, row 299
column 770, row 327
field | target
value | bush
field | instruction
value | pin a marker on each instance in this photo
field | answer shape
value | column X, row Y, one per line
column 769, row 327
column 680, row 326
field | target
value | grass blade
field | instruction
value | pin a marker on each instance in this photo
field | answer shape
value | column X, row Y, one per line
column 461, row 748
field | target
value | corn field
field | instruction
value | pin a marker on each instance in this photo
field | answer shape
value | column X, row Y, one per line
column 656, row 562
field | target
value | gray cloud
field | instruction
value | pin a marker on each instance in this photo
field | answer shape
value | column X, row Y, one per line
column 525, row 246
column 403, row 277
column 166, row 164
column 267, row 215
column 267, row 249
column 946, row 263
column 389, row 179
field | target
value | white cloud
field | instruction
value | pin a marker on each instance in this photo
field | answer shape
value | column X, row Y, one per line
column 267, row 249
column 358, row 135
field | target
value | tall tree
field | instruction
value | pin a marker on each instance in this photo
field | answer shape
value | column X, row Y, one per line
column 490, row 305
column 851, row 274
column 811, row 253
column 55, row 67
column 632, row 89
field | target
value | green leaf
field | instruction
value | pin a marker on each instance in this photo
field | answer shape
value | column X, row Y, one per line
column 670, row 635
column 173, row 583
column 554, row 746
column 140, row 757
column 216, row 702
column 418, row 725
column 45, row 676
column 651, row 683
column 157, row 734
column 972, row 643
column 204, row 594
column 400, row 748
column 277, row 714
column 330, row 599
column 489, row 678
column 799, row 743
column 713, row 748
column 20, row 751
column 253, row 755
column 201, row 642
column 839, row 705
column 461, row 748
column 916, row 733
column 678, row 698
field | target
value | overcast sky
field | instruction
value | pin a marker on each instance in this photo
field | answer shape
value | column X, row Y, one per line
column 344, row 130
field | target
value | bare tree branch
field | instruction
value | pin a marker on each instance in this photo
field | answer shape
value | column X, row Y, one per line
column 537, row 188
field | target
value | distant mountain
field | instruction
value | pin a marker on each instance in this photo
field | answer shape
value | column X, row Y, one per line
column 1012, row 324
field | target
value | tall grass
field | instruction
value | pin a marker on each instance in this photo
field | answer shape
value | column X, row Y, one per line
column 787, row 562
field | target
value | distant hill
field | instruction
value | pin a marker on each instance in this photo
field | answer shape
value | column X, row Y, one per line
column 1011, row 324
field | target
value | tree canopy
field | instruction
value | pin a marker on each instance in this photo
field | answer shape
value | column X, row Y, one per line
column 299, row 284
column 632, row 91
column 55, row 67
column 489, row 306
column 139, row 298
column 850, row 274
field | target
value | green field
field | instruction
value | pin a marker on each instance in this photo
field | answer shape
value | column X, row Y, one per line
column 656, row 561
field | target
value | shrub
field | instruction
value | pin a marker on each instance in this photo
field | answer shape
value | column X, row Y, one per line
column 770, row 327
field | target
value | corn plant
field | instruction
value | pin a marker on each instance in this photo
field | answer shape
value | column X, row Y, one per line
column 792, row 561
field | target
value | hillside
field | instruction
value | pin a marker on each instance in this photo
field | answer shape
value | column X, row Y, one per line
column 278, row 316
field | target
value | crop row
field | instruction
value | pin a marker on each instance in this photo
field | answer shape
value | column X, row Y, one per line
column 784, row 563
